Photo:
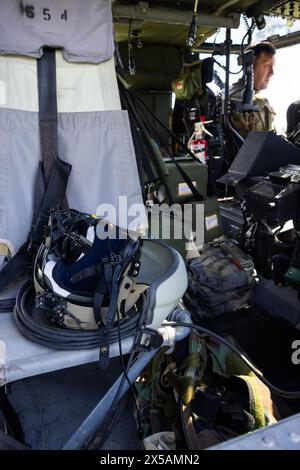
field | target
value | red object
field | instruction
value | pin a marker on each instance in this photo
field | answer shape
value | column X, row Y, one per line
column 200, row 149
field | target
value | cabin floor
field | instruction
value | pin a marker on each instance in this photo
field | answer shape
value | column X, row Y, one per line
column 52, row 406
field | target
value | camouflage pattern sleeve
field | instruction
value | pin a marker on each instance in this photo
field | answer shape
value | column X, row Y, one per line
column 262, row 120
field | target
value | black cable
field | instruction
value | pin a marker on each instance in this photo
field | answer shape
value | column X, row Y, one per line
column 98, row 441
column 63, row 338
column 248, row 33
column 131, row 385
column 282, row 393
column 224, row 68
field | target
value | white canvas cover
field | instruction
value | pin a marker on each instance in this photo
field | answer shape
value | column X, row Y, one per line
column 83, row 28
column 94, row 136
column 80, row 87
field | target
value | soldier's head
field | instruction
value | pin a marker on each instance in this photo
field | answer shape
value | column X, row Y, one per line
column 264, row 62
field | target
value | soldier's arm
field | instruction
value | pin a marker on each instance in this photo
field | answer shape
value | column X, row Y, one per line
column 242, row 122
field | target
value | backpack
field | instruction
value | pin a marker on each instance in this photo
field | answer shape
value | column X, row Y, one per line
column 189, row 83
column 221, row 279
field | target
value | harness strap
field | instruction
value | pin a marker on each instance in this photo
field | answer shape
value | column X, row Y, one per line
column 85, row 273
column 104, row 285
column 113, row 305
column 46, row 70
column 100, row 292
column 15, row 268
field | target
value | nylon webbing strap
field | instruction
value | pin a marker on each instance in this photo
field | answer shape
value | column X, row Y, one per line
column 52, row 178
column 100, row 292
column 46, row 69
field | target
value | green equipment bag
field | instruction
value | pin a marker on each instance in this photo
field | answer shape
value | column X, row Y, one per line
column 199, row 395
column 189, row 83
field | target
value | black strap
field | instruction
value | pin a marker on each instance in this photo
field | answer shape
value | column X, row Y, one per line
column 46, row 70
column 53, row 173
column 15, row 268
column 54, row 196
column 107, row 283
column 85, row 273
column 46, row 73
column 100, row 292
column 101, row 289
column 113, row 304
column 104, row 348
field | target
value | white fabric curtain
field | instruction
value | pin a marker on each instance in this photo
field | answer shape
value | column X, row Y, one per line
column 80, row 87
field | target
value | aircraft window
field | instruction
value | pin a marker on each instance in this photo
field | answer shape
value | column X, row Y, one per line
column 277, row 27
column 282, row 91
column 274, row 27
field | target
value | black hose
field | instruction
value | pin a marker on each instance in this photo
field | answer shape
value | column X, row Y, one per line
column 277, row 391
column 62, row 338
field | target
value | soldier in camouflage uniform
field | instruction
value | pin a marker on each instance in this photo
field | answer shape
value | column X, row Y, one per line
column 263, row 120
